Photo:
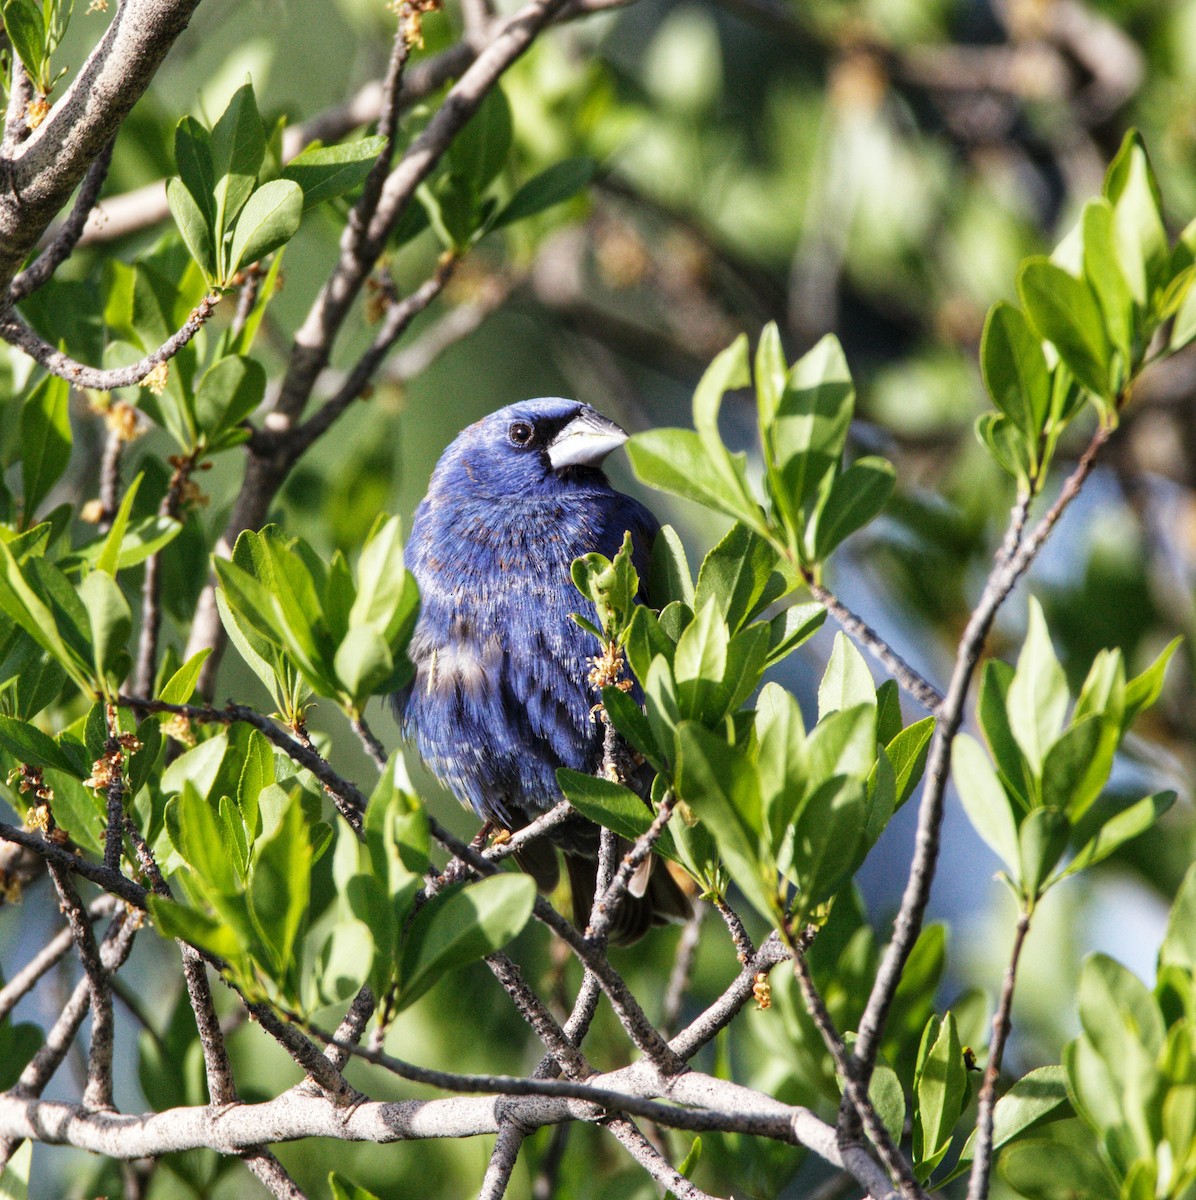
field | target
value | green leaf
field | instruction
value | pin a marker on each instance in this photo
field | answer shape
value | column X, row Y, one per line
column 1179, row 945
column 14, row 1178
column 941, row 1090
column 984, row 799
column 194, row 830
column 907, row 754
column 180, row 687
column 1141, row 237
column 856, row 497
column 29, row 745
column 461, row 925
column 197, row 928
column 827, row 842
column 1037, row 698
column 1117, row 1012
column 1118, row 830
column 676, row 461
column 700, row 664
column 669, row 576
column 111, row 622
column 741, row 575
column 1042, row 839
column 1015, row 369
column 193, row 225
column 1143, row 690
column 45, row 430
column 790, row 628
column 327, row 171
column 25, row 607
column 629, row 719
column 238, row 149
column 193, row 161
column 721, row 786
column 479, row 151
column 807, row 440
column 1048, row 1169
column 346, row 1189
column 26, row 29
column 771, row 372
column 728, row 371
column 270, row 217
column 781, row 761
column 230, row 390
column 1063, row 310
column 108, row 559
column 551, row 187
column 1007, row 445
column 606, row 803
column 280, row 887
column 363, row 664
column 1032, row 1100
column 846, row 681
column 1103, row 272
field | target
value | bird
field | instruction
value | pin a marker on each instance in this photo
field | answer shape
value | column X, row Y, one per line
column 501, row 696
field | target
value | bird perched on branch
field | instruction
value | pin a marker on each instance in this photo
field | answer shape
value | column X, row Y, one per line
column 501, row 697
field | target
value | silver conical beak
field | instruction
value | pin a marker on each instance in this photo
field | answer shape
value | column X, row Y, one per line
column 585, row 441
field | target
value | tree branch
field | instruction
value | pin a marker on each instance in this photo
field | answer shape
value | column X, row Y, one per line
column 47, row 167
column 14, row 331
column 978, row 1181
column 925, row 693
column 38, row 273
column 1013, row 560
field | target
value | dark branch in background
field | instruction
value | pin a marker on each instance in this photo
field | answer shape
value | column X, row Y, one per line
column 978, row 1181
column 398, row 316
column 109, row 497
column 151, row 609
column 925, row 693
column 1013, row 560
column 679, row 976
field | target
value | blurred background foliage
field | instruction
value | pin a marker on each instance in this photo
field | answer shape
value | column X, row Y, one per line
column 873, row 167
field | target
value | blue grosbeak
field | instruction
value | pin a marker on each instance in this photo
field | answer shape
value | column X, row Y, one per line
column 501, row 697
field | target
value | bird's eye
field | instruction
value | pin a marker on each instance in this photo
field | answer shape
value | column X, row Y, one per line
column 520, row 433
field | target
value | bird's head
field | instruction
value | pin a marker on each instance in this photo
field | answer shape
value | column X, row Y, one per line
column 536, row 448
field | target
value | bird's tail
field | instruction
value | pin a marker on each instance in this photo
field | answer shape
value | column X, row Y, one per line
column 653, row 897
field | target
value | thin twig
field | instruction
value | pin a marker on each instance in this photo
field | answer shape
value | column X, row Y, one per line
column 114, row 791
column 880, row 1137
column 398, row 317
column 744, row 949
column 611, row 896
column 98, row 1093
column 114, row 949
column 38, row 273
column 14, row 331
column 978, row 1181
column 683, row 965
column 26, row 979
column 373, row 747
column 114, row 446
column 1014, row 560
column 641, row 1031
column 151, row 608
column 925, row 693
column 350, row 802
